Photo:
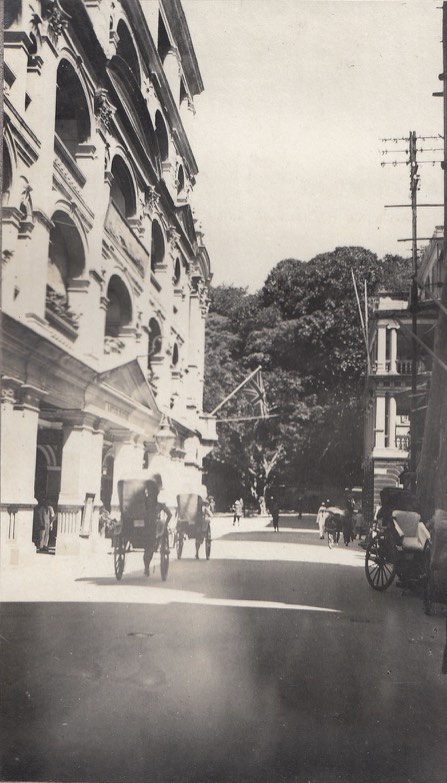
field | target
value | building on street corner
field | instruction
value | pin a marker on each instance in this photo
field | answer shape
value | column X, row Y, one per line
column 105, row 275
column 387, row 440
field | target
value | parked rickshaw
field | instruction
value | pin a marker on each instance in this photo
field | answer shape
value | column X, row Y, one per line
column 142, row 526
column 435, row 589
column 193, row 522
column 399, row 544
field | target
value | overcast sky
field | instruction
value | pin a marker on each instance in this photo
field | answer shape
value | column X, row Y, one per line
column 298, row 95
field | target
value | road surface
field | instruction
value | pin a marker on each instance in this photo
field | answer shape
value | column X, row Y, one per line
column 273, row 662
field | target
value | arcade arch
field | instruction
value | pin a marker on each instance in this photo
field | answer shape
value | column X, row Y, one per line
column 126, row 50
column 157, row 246
column 155, row 341
column 72, row 124
column 162, row 136
column 122, row 191
column 66, row 256
column 119, row 307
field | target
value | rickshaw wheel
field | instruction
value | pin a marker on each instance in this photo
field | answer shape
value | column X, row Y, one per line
column 380, row 566
column 208, row 544
column 119, row 556
column 164, row 557
column 428, row 581
column 179, row 538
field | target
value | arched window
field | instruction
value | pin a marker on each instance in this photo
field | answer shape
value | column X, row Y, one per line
column 175, row 355
column 66, row 263
column 177, row 271
column 7, row 174
column 126, row 50
column 122, row 192
column 180, row 180
column 157, row 246
column 119, row 308
column 12, row 13
column 162, row 136
column 66, row 254
column 72, row 116
column 155, row 341
column 163, row 43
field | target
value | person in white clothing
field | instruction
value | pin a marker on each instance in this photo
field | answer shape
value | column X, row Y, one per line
column 322, row 515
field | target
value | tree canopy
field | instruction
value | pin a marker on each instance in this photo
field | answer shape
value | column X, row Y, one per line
column 303, row 329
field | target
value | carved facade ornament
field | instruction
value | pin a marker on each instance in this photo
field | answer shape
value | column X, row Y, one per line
column 7, row 394
column 26, row 204
column 104, row 109
column 36, row 21
column 150, row 90
column 173, row 237
column 151, row 200
column 55, row 17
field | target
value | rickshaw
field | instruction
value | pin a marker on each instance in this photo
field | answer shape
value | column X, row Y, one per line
column 435, row 588
column 337, row 522
column 399, row 543
column 333, row 525
column 141, row 526
column 192, row 522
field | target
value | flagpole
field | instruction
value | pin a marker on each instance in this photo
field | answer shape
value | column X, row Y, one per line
column 253, row 418
column 361, row 319
column 249, row 377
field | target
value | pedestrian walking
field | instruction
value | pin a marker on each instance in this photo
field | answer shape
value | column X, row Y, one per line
column 202, row 525
column 348, row 517
column 322, row 515
column 237, row 512
column 212, row 503
column 44, row 517
column 274, row 510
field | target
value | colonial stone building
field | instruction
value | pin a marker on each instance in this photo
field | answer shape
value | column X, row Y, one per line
column 105, row 275
column 389, row 404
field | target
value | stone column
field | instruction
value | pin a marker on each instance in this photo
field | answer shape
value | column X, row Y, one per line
column 380, row 423
column 80, row 476
column 81, row 459
column 393, row 351
column 19, row 422
column 381, row 348
column 392, row 423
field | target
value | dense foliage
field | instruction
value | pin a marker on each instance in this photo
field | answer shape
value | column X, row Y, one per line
column 303, row 329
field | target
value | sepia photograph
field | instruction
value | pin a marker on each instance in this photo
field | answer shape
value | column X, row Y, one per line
column 223, row 427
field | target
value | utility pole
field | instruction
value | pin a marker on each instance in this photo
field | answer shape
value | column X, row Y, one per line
column 411, row 152
column 414, row 305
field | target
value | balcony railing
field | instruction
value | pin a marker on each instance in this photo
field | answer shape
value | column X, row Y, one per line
column 403, row 442
column 403, row 367
column 68, row 161
column 126, row 239
column 58, row 313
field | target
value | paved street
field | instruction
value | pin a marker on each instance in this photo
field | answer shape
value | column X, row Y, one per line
column 272, row 662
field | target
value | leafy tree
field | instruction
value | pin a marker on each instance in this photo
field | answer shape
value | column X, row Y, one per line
column 303, row 329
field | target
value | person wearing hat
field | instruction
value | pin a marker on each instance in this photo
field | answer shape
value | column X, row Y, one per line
column 348, row 517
